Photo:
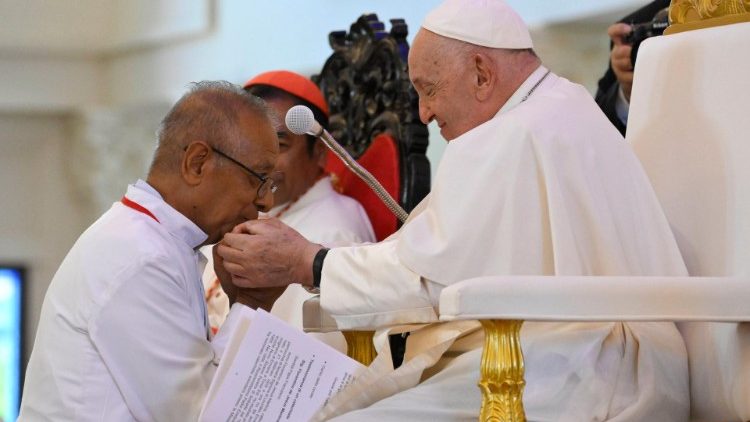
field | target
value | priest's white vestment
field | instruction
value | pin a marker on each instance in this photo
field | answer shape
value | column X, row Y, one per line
column 547, row 186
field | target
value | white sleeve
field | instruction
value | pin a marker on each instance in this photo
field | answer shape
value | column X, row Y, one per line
column 221, row 339
column 367, row 287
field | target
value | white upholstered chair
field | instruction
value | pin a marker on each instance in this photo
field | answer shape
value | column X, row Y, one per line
column 688, row 125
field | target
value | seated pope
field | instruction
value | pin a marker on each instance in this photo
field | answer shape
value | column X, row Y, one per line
column 305, row 198
column 534, row 180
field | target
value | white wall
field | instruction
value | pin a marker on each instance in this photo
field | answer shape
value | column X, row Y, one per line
column 41, row 215
column 250, row 36
column 34, row 84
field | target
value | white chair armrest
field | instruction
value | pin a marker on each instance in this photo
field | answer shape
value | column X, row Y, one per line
column 589, row 298
column 315, row 319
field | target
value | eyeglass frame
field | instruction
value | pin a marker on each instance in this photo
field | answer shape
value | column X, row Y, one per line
column 263, row 179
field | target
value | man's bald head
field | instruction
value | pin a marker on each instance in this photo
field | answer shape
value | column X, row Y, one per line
column 217, row 148
column 210, row 111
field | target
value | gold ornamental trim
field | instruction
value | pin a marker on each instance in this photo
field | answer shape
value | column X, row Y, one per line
column 688, row 15
column 501, row 372
column 360, row 347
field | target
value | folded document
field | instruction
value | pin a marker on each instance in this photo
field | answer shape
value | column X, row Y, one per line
column 271, row 371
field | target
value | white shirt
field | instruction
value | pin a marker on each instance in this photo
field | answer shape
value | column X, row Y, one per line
column 547, row 186
column 123, row 333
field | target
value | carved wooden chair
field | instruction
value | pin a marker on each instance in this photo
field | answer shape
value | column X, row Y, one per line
column 688, row 126
column 375, row 116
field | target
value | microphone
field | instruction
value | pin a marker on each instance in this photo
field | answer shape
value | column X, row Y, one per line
column 300, row 121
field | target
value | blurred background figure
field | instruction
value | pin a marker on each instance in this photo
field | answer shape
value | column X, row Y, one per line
column 613, row 94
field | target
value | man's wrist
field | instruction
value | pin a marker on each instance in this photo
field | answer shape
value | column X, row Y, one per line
column 262, row 298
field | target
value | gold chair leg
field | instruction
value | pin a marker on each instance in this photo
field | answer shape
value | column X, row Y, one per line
column 502, row 372
column 360, row 347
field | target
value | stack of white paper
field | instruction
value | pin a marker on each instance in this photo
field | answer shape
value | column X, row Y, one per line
column 271, row 371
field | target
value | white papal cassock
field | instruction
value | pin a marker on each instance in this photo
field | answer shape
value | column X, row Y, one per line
column 547, row 186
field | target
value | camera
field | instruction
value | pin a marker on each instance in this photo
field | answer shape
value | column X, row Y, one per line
column 643, row 31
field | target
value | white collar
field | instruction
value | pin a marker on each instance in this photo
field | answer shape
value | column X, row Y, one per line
column 514, row 100
column 523, row 89
column 177, row 224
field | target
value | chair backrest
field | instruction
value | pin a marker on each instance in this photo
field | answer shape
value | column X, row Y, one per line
column 375, row 116
column 690, row 99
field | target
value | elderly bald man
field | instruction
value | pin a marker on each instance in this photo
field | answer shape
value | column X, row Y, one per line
column 123, row 334
column 534, row 180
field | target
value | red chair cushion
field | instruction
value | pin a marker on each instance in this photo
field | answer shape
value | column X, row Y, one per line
column 380, row 159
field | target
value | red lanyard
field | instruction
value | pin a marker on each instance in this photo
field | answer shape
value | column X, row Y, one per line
column 138, row 207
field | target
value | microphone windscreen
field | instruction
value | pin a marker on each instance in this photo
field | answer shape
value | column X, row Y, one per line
column 299, row 119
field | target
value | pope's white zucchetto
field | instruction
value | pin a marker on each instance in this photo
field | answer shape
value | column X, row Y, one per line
column 489, row 23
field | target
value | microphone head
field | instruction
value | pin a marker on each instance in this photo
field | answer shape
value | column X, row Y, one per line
column 300, row 121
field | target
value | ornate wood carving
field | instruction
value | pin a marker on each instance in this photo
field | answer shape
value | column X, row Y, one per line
column 368, row 90
column 686, row 15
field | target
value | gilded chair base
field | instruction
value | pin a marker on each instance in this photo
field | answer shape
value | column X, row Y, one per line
column 502, row 372
column 359, row 346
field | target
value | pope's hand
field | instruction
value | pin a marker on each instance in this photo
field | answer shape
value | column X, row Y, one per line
column 267, row 253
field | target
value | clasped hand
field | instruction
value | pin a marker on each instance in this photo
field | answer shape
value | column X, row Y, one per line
column 259, row 258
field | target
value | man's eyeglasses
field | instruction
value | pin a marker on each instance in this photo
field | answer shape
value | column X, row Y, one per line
column 266, row 183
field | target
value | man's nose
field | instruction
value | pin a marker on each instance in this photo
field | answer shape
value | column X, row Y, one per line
column 425, row 113
column 265, row 203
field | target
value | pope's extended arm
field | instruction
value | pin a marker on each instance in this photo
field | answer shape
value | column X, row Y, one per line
column 369, row 287
column 361, row 286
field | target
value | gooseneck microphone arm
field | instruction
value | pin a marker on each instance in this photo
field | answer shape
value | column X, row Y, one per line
column 300, row 121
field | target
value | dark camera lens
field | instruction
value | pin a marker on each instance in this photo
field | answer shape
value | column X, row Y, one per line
column 643, row 31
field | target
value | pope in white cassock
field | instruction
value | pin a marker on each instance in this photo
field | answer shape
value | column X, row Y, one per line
column 534, row 180
column 305, row 198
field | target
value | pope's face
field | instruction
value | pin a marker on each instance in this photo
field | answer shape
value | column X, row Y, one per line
column 443, row 83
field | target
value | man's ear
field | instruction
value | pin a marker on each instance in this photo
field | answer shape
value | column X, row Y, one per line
column 195, row 162
column 319, row 153
column 484, row 76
